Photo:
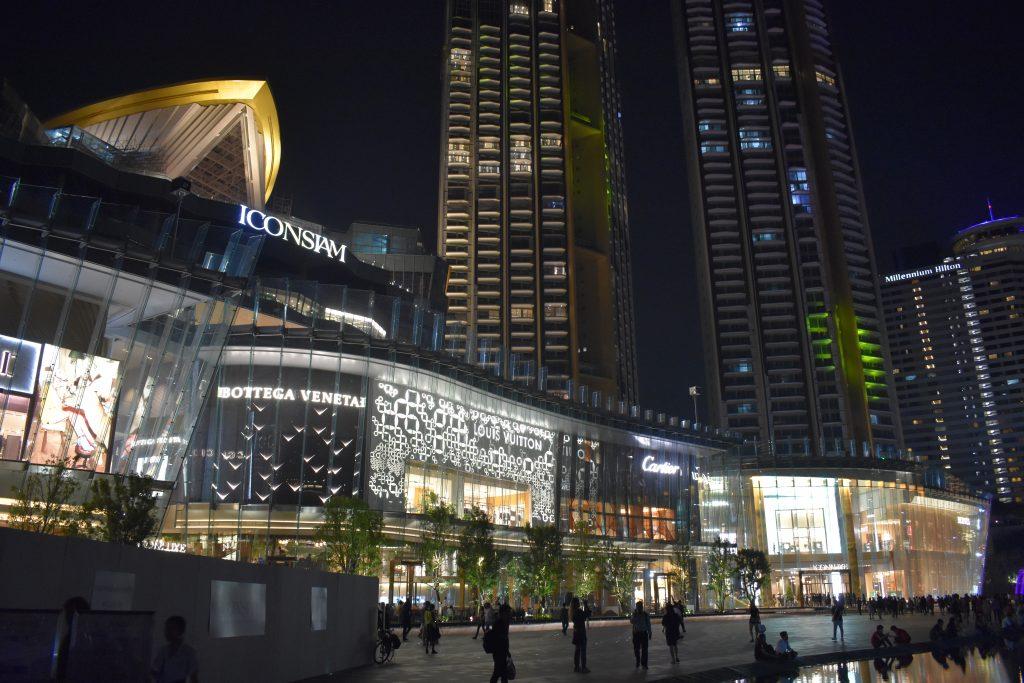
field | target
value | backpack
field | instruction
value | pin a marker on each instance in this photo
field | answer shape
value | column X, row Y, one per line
column 489, row 642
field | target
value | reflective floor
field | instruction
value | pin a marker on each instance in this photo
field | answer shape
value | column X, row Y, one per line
column 961, row 665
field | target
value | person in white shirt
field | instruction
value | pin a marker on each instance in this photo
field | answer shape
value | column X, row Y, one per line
column 176, row 662
column 783, row 649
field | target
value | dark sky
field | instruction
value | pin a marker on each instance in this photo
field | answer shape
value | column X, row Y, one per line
column 936, row 91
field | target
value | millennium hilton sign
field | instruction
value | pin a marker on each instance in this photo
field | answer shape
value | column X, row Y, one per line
column 275, row 227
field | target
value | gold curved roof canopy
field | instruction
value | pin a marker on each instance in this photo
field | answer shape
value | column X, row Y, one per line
column 253, row 94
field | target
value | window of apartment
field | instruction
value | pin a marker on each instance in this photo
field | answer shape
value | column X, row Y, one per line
column 755, row 139
column 781, row 70
column 766, row 236
column 458, row 152
column 488, row 144
column 521, row 155
column 743, row 366
column 706, row 81
column 750, row 97
column 707, row 126
column 549, row 6
column 489, row 168
column 739, row 22
column 825, row 79
column 799, row 190
column 519, row 9
column 461, row 61
column 554, row 310
column 746, row 73
column 555, row 270
column 712, row 147
column 551, row 141
column 522, row 312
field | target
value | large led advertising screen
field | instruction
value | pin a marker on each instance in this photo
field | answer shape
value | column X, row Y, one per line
column 413, row 426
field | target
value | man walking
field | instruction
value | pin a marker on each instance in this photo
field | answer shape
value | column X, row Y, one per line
column 405, row 617
column 837, row 620
column 641, row 622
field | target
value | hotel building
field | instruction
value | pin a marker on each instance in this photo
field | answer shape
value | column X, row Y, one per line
column 532, row 212
column 255, row 368
column 793, row 334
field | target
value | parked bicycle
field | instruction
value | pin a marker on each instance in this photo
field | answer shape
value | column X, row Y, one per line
column 387, row 643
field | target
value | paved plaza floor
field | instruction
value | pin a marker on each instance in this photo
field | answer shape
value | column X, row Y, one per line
column 546, row 655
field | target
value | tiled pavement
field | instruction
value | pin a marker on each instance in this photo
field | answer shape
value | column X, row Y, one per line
column 546, row 655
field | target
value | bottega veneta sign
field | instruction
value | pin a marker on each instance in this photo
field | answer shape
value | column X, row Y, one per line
column 281, row 229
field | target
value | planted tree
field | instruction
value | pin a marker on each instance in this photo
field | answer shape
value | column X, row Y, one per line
column 477, row 559
column 682, row 559
column 439, row 519
column 620, row 569
column 352, row 534
column 542, row 562
column 123, row 506
column 753, row 570
column 720, row 566
column 42, row 502
column 583, row 561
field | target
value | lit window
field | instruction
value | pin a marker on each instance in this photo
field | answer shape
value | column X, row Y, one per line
column 370, row 243
column 755, row 138
column 706, row 81
column 461, row 61
column 799, row 190
column 551, row 141
column 751, row 97
column 554, row 310
column 458, row 152
column 766, row 236
column 489, row 168
column 549, row 6
column 712, row 148
column 521, row 155
column 739, row 22
column 746, row 74
column 781, row 70
column 706, row 126
column 519, row 9
column 522, row 312
column 825, row 79
column 745, row 408
column 743, row 366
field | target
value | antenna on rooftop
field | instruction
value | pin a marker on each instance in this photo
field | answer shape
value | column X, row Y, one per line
column 991, row 215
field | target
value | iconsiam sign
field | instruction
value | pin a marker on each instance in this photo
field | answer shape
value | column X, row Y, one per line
column 282, row 229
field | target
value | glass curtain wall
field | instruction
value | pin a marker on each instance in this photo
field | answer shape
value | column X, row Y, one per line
column 111, row 322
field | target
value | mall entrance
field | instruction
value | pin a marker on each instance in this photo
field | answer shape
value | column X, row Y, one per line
column 822, row 582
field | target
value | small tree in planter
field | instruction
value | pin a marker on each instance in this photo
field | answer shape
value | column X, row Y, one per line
column 542, row 563
column 583, row 563
column 720, row 566
column 439, row 519
column 352, row 534
column 620, row 569
column 124, row 507
column 477, row 559
column 42, row 502
column 682, row 558
column 753, row 570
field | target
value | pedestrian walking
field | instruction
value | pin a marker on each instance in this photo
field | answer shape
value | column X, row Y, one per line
column 480, row 612
column 501, row 651
column 175, row 662
column 837, row 620
column 565, row 616
column 405, row 617
column 431, row 632
column 754, row 621
column 671, row 624
column 579, row 615
column 641, row 622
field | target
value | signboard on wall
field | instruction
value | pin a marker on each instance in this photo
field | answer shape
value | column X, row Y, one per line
column 237, row 608
column 409, row 425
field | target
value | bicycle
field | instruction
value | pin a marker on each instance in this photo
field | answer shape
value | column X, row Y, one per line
column 384, row 651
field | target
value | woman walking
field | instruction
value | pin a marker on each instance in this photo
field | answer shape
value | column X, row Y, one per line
column 641, row 622
column 754, row 621
column 500, row 645
column 671, row 624
column 579, row 615
column 431, row 633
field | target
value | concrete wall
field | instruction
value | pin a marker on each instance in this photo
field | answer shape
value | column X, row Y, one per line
column 40, row 572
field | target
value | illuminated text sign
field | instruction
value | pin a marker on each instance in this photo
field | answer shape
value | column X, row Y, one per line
column 284, row 394
column 281, row 229
column 648, row 465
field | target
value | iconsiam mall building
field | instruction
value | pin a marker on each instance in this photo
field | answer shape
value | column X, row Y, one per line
column 158, row 319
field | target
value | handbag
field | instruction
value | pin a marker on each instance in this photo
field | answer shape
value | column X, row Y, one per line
column 510, row 669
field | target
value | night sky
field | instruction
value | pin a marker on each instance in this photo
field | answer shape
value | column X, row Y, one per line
column 936, row 91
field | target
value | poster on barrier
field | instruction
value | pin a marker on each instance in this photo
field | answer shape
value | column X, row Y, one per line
column 110, row 646
column 237, row 608
column 27, row 639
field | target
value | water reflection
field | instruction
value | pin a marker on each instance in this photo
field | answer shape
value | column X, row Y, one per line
column 959, row 665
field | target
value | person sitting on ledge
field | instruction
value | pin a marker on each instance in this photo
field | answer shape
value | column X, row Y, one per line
column 762, row 650
column 783, row 649
column 899, row 636
column 879, row 639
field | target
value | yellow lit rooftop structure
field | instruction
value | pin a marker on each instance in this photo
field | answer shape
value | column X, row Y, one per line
column 223, row 135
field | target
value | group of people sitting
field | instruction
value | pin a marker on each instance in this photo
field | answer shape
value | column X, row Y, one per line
column 765, row 652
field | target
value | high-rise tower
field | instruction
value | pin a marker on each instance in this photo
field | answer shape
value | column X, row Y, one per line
column 788, row 288
column 532, row 212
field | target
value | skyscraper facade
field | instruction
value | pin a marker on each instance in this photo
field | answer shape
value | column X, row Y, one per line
column 941, row 372
column 532, row 212
column 787, row 282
